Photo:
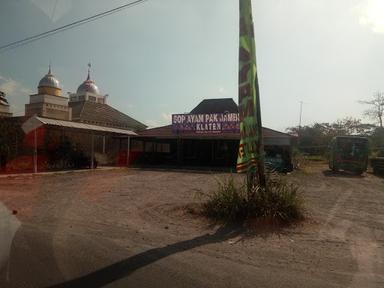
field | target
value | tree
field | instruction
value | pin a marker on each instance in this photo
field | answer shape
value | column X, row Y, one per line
column 350, row 126
column 314, row 139
column 376, row 109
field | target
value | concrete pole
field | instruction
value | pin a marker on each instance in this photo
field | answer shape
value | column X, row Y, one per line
column 299, row 131
column 128, row 148
column 93, row 151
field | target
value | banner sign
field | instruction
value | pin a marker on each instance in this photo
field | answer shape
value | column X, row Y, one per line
column 205, row 123
column 250, row 148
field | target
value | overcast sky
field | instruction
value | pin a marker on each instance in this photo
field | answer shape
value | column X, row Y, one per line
column 165, row 56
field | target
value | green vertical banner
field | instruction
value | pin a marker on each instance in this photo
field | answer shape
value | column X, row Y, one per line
column 251, row 146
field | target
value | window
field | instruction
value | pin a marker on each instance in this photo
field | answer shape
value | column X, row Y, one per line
column 163, row 148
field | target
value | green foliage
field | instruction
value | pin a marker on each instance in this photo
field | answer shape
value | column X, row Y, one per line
column 228, row 202
column 314, row 139
column 300, row 161
column 280, row 202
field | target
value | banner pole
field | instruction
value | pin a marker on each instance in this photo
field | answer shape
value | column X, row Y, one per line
column 251, row 150
column 260, row 144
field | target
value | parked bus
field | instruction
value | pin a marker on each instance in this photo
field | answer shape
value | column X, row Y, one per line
column 349, row 153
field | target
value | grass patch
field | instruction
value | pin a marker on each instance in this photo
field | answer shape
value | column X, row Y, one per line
column 228, row 202
column 316, row 158
column 279, row 203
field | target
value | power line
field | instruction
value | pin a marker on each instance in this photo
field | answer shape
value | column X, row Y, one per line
column 72, row 25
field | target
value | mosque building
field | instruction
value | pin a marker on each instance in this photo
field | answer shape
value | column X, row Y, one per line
column 83, row 119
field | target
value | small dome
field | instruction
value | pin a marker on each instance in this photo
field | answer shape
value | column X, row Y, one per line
column 88, row 86
column 49, row 81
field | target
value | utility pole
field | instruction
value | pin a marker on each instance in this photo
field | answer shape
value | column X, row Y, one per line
column 301, row 113
column 300, row 119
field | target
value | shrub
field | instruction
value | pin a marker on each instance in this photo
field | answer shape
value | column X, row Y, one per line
column 299, row 160
column 280, row 202
column 228, row 202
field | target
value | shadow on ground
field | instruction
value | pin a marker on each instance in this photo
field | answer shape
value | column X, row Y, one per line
column 376, row 175
column 127, row 266
column 343, row 174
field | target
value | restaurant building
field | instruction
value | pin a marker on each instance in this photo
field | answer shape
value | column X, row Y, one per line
column 208, row 136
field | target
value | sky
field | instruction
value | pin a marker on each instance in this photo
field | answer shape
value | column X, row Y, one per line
column 165, row 56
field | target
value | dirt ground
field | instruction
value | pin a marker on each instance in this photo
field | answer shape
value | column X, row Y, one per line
column 130, row 228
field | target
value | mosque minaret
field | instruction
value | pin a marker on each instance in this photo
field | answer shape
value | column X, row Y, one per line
column 49, row 102
column 88, row 91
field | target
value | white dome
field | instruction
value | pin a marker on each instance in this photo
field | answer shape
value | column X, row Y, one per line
column 88, row 86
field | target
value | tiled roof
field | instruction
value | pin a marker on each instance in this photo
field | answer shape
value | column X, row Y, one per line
column 35, row 122
column 103, row 115
column 216, row 106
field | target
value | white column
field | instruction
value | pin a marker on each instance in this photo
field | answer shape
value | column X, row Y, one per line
column 93, row 151
column 128, row 148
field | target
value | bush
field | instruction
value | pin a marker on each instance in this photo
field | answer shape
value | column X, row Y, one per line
column 228, row 202
column 280, row 202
